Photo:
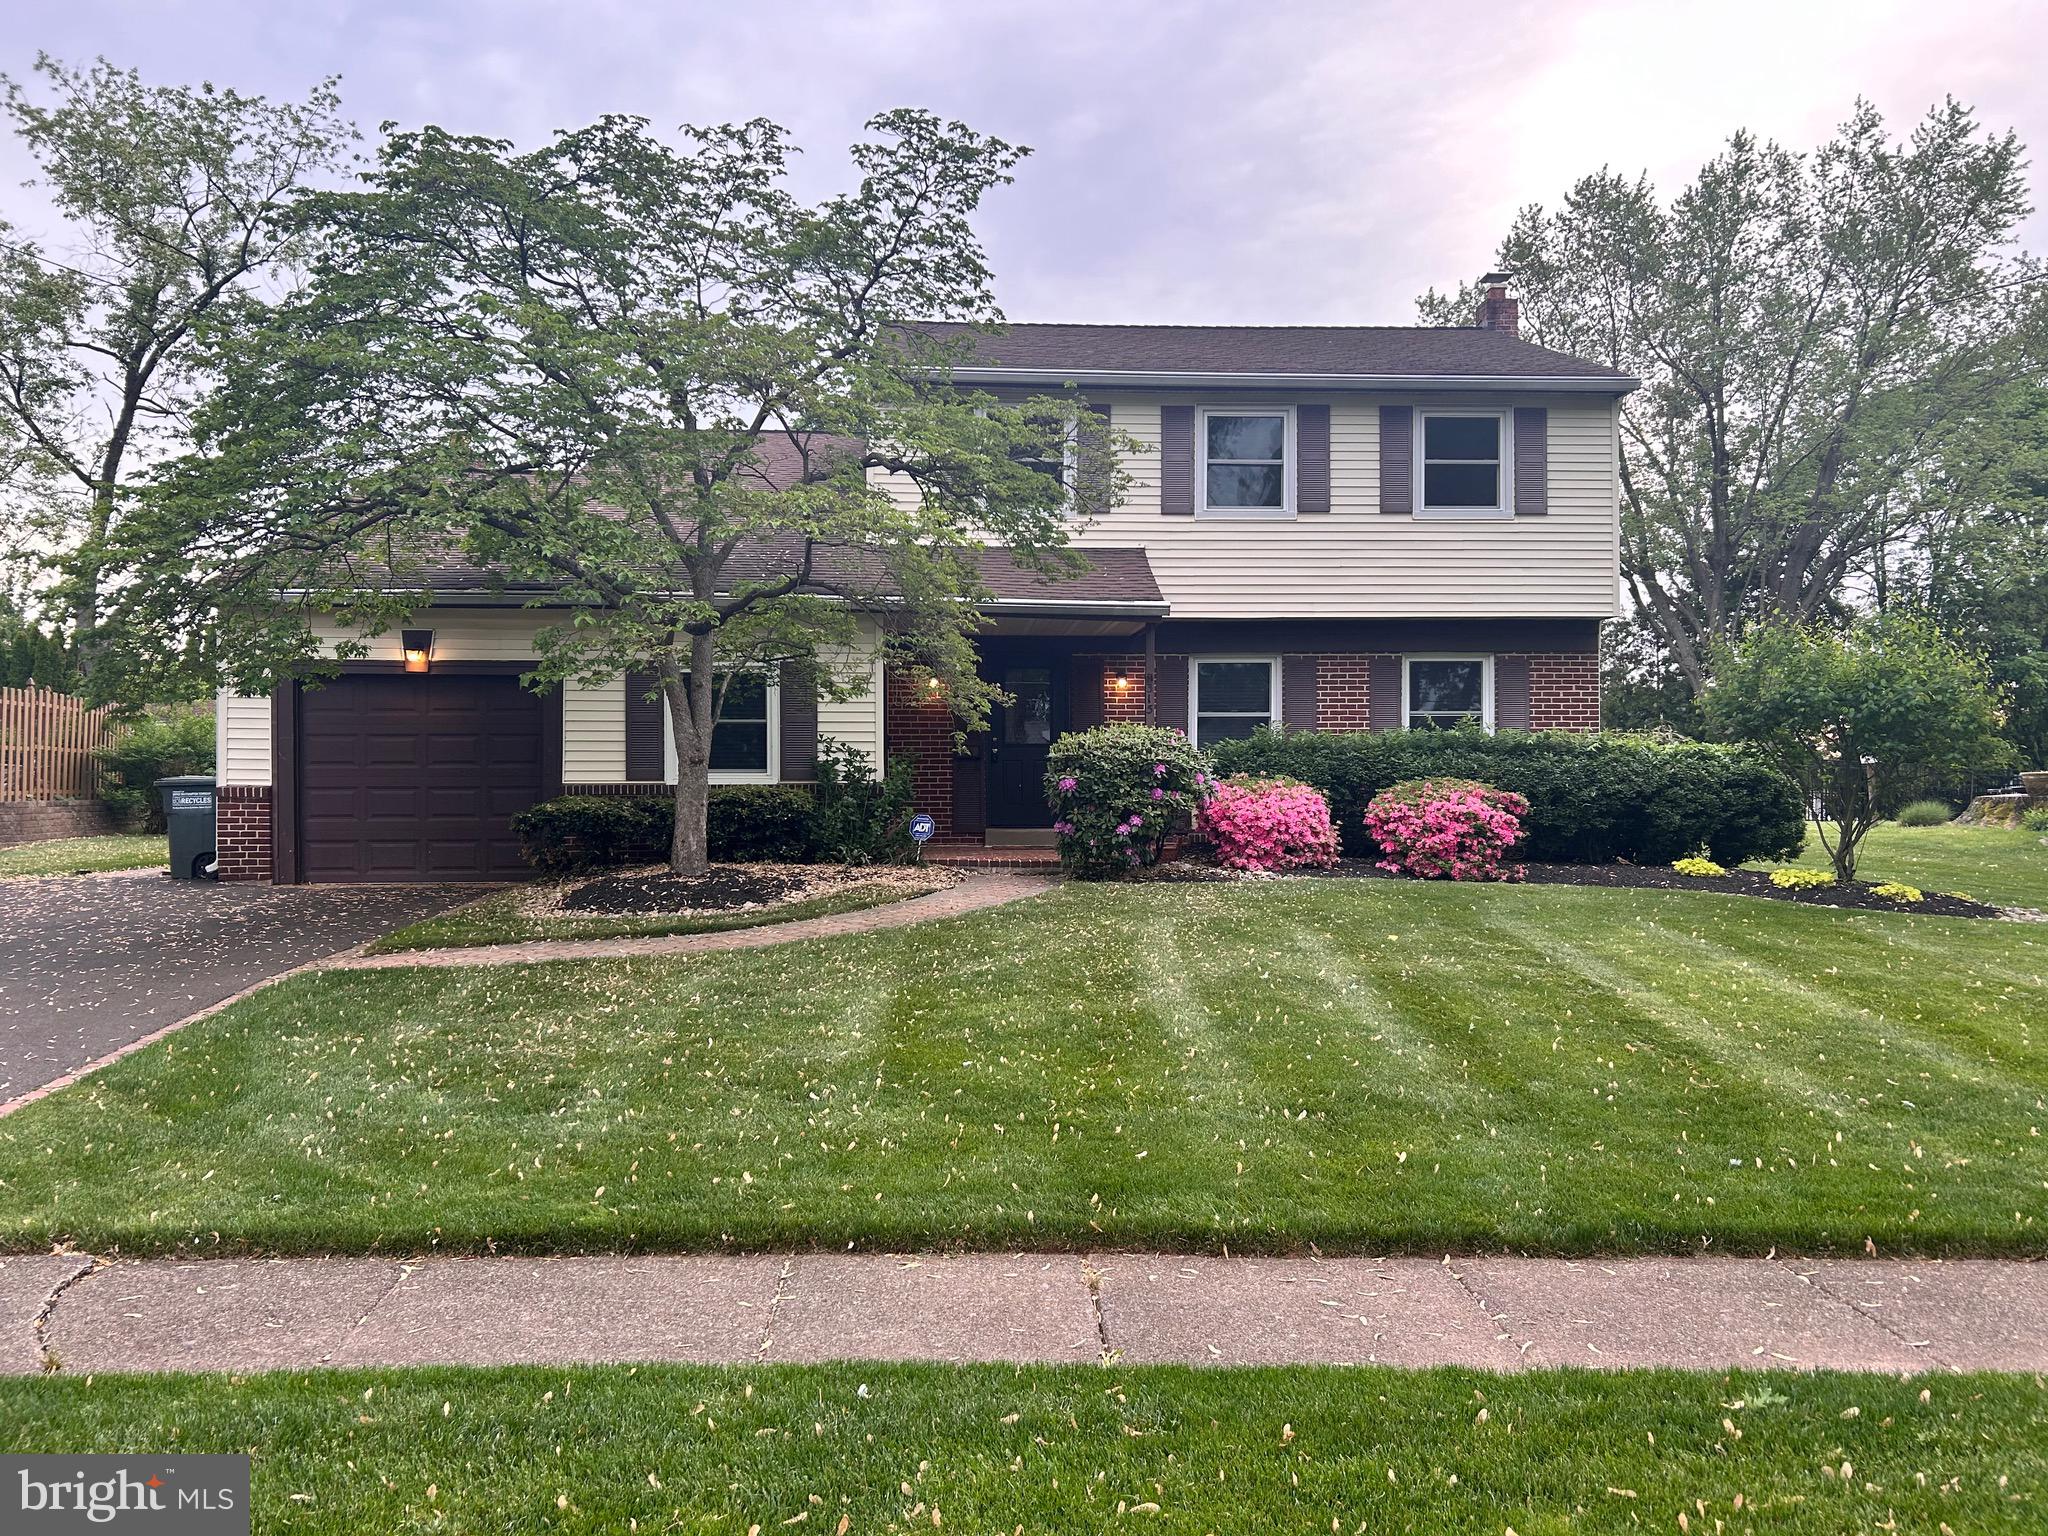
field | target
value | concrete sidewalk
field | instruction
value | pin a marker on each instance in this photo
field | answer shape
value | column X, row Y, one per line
column 66, row 1313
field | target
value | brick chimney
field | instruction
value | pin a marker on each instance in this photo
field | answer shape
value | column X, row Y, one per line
column 1499, row 309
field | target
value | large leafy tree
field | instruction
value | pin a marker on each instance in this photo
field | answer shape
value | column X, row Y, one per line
column 168, row 201
column 639, row 379
column 1811, row 331
column 1858, row 717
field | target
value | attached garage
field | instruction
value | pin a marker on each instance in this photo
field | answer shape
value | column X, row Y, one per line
column 402, row 776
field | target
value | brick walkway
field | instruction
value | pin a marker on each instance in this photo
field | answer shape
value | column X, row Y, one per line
column 65, row 1312
column 977, row 891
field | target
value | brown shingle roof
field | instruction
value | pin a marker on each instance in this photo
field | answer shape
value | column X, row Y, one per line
column 1362, row 351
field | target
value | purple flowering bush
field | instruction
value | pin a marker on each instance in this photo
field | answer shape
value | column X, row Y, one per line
column 1447, row 829
column 1119, row 792
column 1269, row 824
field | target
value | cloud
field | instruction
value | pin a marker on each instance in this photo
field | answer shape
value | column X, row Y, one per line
column 1297, row 160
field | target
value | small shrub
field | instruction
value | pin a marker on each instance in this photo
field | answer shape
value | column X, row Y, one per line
column 1454, row 829
column 744, row 824
column 1593, row 798
column 2035, row 820
column 1801, row 879
column 1269, row 824
column 1699, row 869
column 754, row 824
column 574, row 834
column 1925, row 813
column 1892, row 890
column 1118, row 792
column 154, row 747
column 859, row 819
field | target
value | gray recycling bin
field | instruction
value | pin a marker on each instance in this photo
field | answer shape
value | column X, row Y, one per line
column 188, row 811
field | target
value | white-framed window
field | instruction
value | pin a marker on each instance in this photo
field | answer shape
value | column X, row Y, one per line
column 1232, row 696
column 1464, row 464
column 1246, row 461
column 1439, row 692
column 746, row 744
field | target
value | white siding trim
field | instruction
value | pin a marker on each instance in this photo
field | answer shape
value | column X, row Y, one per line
column 241, row 737
column 594, row 733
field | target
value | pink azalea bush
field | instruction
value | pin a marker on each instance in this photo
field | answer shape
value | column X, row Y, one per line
column 1259, row 823
column 1447, row 829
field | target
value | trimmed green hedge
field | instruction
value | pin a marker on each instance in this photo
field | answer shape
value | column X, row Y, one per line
column 1593, row 798
column 744, row 823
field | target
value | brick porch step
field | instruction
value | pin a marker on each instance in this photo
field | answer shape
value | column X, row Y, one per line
column 975, row 856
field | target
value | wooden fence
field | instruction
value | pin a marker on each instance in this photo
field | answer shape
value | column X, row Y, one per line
column 47, row 745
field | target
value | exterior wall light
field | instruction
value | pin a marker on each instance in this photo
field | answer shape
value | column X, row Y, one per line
column 1123, row 679
column 417, row 647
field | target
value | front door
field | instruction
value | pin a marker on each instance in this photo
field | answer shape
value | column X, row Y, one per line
column 1020, row 733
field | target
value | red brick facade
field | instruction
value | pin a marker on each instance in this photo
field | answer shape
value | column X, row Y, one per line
column 917, row 724
column 1343, row 693
column 1564, row 692
column 242, row 831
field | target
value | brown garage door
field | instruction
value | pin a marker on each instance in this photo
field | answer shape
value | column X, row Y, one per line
column 417, row 778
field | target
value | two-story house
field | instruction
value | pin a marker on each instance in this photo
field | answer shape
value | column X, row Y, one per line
column 1336, row 527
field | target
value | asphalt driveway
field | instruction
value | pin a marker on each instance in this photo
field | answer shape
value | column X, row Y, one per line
column 89, row 963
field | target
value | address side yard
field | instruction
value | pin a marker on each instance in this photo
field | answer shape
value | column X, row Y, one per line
column 1359, row 1066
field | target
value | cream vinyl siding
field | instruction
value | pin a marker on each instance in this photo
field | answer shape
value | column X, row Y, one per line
column 1355, row 562
column 857, row 721
column 594, row 733
column 241, row 728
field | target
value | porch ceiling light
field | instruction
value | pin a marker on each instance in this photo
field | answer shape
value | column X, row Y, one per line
column 417, row 647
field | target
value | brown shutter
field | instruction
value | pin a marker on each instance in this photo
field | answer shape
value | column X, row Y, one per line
column 1397, row 459
column 1532, row 461
column 1091, row 480
column 644, row 754
column 1312, row 453
column 1177, row 460
column 1173, row 692
column 798, row 722
column 1511, row 693
column 1298, row 692
column 1084, row 694
column 1388, row 710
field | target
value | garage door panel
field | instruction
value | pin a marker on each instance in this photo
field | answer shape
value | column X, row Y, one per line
column 403, row 777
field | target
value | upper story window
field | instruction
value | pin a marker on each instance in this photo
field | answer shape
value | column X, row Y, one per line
column 1233, row 698
column 1463, row 469
column 1247, row 468
column 1446, row 691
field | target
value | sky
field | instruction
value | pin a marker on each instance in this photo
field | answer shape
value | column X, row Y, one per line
column 1257, row 162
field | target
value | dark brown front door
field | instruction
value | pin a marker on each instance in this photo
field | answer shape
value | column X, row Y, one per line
column 408, row 777
column 1020, row 733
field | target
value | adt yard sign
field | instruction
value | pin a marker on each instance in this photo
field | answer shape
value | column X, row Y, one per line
column 922, row 827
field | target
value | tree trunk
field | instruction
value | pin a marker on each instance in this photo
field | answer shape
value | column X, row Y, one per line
column 690, row 699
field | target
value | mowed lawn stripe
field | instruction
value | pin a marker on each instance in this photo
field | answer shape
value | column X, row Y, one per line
column 1352, row 1065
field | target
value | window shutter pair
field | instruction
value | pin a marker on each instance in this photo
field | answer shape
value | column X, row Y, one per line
column 797, row 722
column 1399, row 448
column 1179, row 461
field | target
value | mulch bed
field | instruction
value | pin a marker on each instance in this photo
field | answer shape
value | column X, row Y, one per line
column 720, row 890
column 1737, row 882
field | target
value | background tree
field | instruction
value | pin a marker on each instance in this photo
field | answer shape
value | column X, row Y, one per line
column 1858, row 716
column 170, row 200
column 641, row 380
column 1809, row 330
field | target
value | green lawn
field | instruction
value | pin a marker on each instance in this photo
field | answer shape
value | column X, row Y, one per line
column 1358, row 1065
column 2004, row 867
column 86, row 855
column 501, row 919
column 1073, row 1448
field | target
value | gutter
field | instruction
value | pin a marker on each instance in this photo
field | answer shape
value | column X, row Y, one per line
column 1567, row 384
column 1050, row 607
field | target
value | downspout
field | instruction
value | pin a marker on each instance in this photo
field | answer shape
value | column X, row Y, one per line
column 1151, row 674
